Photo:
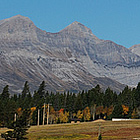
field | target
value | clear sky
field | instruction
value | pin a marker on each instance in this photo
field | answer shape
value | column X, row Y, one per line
column 116, row 20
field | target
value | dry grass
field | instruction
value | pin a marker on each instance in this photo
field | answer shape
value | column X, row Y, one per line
column 126, row 130
column 87, row 131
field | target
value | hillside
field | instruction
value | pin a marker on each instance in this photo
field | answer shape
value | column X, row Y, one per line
column 72, row 59
column 135, row 49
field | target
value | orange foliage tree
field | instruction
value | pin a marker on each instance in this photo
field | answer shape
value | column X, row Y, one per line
column 107, row 111
column 99, row 111
column 125, row 110
column 32, row 111
column 19, row 111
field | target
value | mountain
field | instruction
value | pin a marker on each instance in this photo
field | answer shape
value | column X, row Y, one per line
column 72, row 59
column 135, row 49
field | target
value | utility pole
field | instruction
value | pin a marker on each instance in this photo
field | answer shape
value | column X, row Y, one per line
column 44, row 114
column 15, row 117
column 38, row 117
column 48, row 115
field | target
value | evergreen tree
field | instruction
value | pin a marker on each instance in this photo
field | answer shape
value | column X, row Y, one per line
column 95, row 95
column 19, row 127
column 7, row 110
column 78, row 103
column 137, row 96
column 100, row 137
column 7, row 107
column 118, row 111
column 5, row 93
column 52, row 99
column 70, row 98
column 126, row 98
column 109, row 98
column 37, row 101
column 68, row 101
column 27, row 103
column 26, row 99
column 57, row 101
column 47, row 97
column 84, row 97
column 25, row 90
column 41, row 90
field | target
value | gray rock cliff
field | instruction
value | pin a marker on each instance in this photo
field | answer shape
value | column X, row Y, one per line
column 72, row 59
column 135, row 49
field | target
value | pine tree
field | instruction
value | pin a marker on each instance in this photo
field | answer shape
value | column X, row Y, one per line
column 78, row 103
column 100, row 137
column 137, row 96
column 84, row 99
column 26, row 99
column 5, row 93
column 7, row 107
column 118, row 111
column 41, row 90
column 126, row 97
column 25, row 90
column 108, row 98
column 19, row 127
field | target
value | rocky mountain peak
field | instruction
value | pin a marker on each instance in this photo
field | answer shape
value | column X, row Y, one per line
column 19, row 27
column 77, row 27
column 18, row 16
column 135, row 49
column 16, row 23
column 71, row 59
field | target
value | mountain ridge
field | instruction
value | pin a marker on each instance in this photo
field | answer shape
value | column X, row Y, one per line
column 72, row 59
column 135, row 49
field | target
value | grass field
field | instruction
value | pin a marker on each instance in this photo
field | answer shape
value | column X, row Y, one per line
column 127, row 130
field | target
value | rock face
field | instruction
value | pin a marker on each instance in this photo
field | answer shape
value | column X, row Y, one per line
column 135, row 49
column 72, row 59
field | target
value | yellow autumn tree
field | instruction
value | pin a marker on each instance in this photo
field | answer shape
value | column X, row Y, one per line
column 32, row 111
column 63, row 117
column 86, row 114
column 79, row 114
column 53, row 116
column 134, row 114
column 73, row 115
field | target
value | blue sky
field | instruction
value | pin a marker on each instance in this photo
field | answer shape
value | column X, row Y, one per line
column 116, row 20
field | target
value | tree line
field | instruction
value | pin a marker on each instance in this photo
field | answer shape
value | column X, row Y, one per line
column 64, row 107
